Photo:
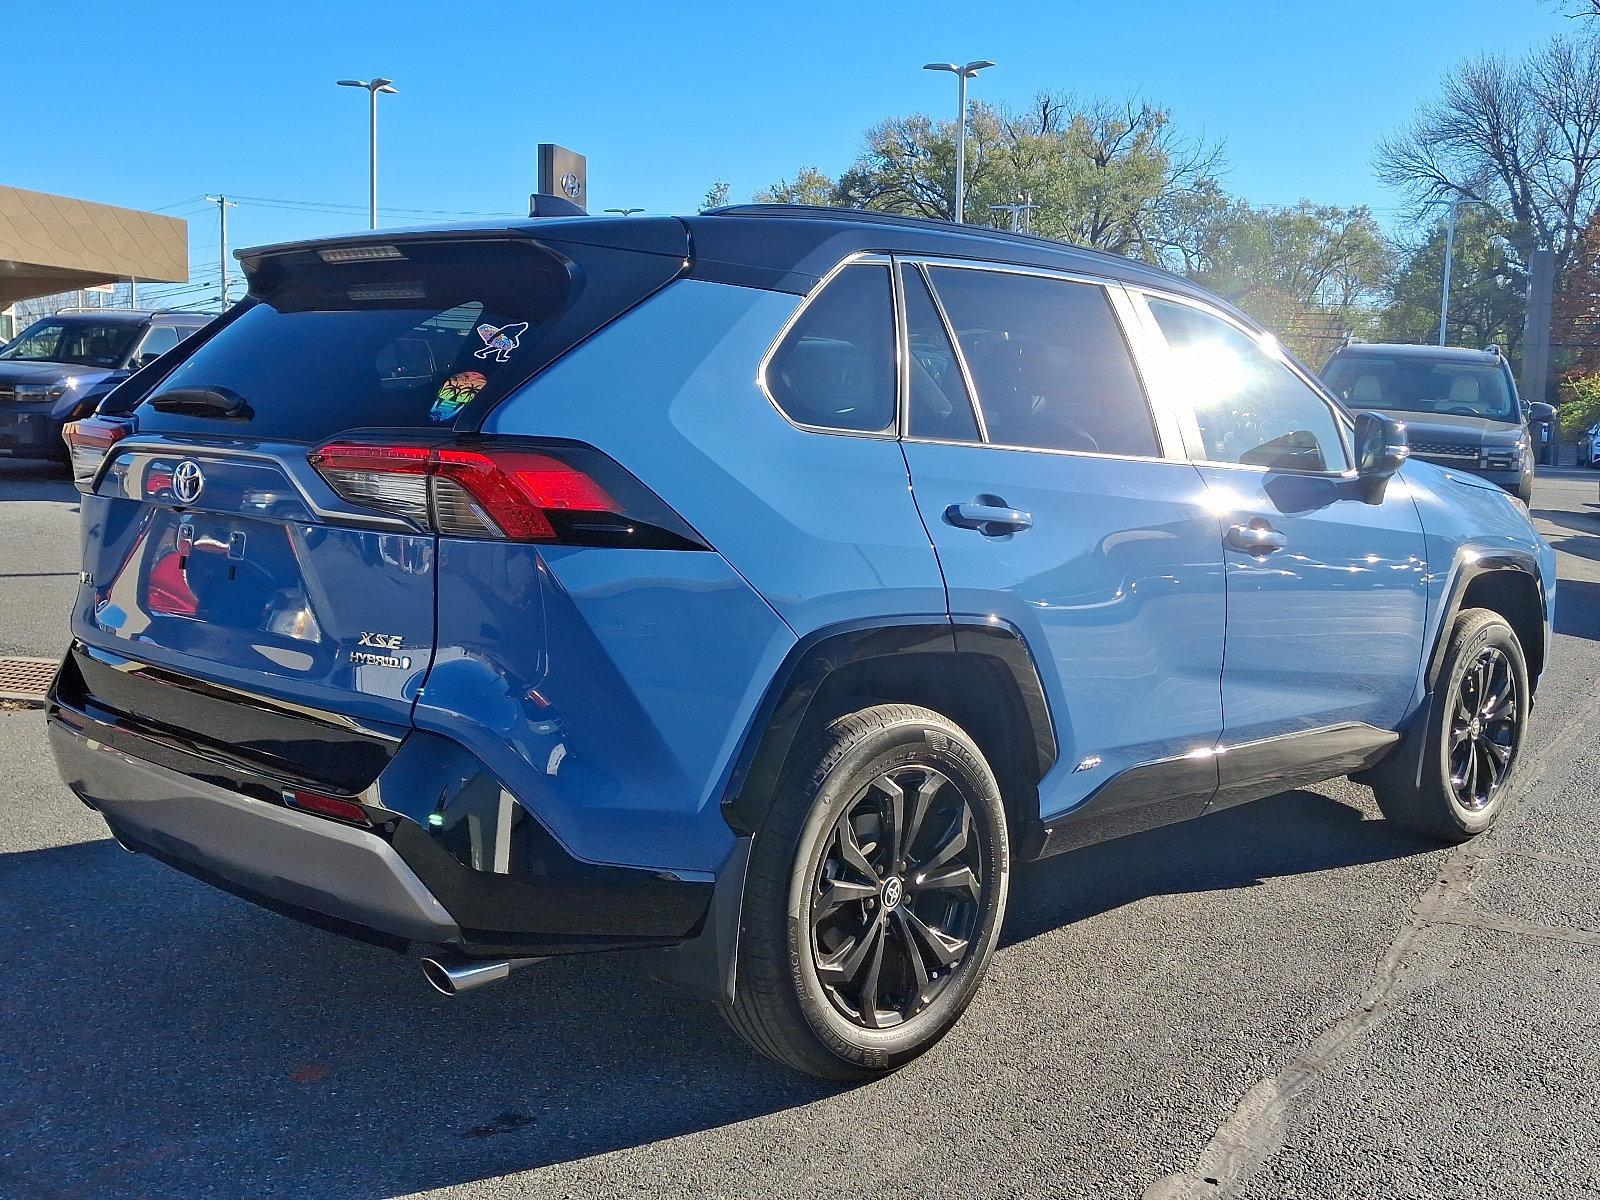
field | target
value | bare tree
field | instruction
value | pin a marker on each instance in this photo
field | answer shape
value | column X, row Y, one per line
column 1522, row 137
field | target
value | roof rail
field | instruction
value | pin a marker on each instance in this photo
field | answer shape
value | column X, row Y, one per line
column 868, row 216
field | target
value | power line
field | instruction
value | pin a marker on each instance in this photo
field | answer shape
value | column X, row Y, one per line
column 338, row 206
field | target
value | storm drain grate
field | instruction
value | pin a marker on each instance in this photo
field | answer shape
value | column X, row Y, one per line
column 26, row 678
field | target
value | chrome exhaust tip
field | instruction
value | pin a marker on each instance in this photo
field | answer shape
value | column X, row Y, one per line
column 451, row 977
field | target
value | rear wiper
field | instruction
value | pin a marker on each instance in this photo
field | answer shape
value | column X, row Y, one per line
column 204, row 402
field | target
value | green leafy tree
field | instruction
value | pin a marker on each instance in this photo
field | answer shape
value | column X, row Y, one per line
column 810, row 186
column 1488, row 287
column 1116, row 177
column 716, row 195
column 1580, row 404
column 1310, row 273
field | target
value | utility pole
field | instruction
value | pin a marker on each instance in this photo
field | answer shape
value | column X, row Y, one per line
column 1536, row 329
column 133, row 292
column 223, row 205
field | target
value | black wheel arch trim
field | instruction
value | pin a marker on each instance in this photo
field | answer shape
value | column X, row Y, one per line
column 1403, row 765
column 783, row 709
column 1470, row 564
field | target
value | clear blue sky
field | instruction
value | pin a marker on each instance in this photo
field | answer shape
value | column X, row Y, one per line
column 152, row 104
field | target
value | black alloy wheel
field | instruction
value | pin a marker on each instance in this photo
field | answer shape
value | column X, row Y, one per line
column 896, row 896
column 1485, row 729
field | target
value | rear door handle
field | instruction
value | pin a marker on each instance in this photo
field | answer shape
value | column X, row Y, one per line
column 1257, row 537
column 989, row 515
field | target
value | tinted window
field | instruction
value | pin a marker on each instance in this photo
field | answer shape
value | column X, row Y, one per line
column 402, row 341
column 157, row 342
column 939, row 404
column 1251, row 408
column 835, row 366
column 1048, row 362
column 88, row 343
column 1415, row 383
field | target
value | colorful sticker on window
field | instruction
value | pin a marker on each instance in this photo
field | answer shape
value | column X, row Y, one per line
column 500, row 340
column 456, row 392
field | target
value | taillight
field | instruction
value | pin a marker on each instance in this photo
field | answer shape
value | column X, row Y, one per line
column 88, row 441
column 570, row 494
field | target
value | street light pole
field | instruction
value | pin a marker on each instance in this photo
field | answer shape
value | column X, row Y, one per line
column 962, row 74
column 625, row 212
column 1451, row 216
column 373, row 87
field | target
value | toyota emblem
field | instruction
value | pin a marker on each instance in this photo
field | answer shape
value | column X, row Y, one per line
column 187, row 481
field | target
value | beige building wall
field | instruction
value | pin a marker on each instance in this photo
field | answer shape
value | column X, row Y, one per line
column 54, row 244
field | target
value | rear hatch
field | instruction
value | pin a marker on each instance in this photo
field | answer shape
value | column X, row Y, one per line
column 273, row 525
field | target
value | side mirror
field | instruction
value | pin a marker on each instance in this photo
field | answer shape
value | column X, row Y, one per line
column 1381, row 449
column 1541, row 412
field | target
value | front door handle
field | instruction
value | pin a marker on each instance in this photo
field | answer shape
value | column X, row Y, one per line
column 1257, row 538
column 989, row 515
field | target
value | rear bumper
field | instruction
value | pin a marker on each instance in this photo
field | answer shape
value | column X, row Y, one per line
column 468, row 870
column 278, row 854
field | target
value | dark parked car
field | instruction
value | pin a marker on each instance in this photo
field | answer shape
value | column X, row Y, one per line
column 755, row 589
column 60, row 367
column 1460, row 407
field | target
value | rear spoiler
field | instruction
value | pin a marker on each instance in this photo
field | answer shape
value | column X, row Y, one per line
column 647, row 235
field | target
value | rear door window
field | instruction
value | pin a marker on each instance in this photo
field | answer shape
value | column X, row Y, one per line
column 406, row 336
column 939, row 405
column 1048, row 360
column 834, row 369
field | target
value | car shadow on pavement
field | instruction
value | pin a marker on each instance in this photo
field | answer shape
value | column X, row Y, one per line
column 1294, row 833
column 160, row 1036
column 1578, row 606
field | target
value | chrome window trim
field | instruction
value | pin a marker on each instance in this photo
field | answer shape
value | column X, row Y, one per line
column 967, row 384
column 860, row 258
column 1342, row 421
column 1163, row 424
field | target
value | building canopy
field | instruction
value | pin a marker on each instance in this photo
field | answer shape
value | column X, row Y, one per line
column 52, row 244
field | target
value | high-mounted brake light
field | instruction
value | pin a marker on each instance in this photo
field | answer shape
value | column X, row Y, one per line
column 517, row 493
column 340, row 254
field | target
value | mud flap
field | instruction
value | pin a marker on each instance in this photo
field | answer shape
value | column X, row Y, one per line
column 706, row 963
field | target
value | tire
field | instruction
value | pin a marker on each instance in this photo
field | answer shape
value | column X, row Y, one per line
column 1473, row 745
column 822, row 879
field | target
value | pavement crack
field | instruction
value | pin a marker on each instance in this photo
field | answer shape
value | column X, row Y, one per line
column 1559, row 860
column 1499, row 924
column 1255, row 1130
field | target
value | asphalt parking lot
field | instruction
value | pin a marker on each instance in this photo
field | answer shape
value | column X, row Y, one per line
column 1291, row 999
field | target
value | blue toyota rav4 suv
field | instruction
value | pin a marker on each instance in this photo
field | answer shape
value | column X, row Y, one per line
column 755, row 589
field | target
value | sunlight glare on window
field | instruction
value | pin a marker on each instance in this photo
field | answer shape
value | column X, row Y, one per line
column 1212, row 370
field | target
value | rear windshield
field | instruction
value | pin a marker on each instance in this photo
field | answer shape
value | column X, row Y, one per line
column 1422, row 385
column 405, row 340
column 84, row 343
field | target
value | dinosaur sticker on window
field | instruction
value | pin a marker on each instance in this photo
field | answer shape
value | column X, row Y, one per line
column 457, row 391
column 500, row 340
